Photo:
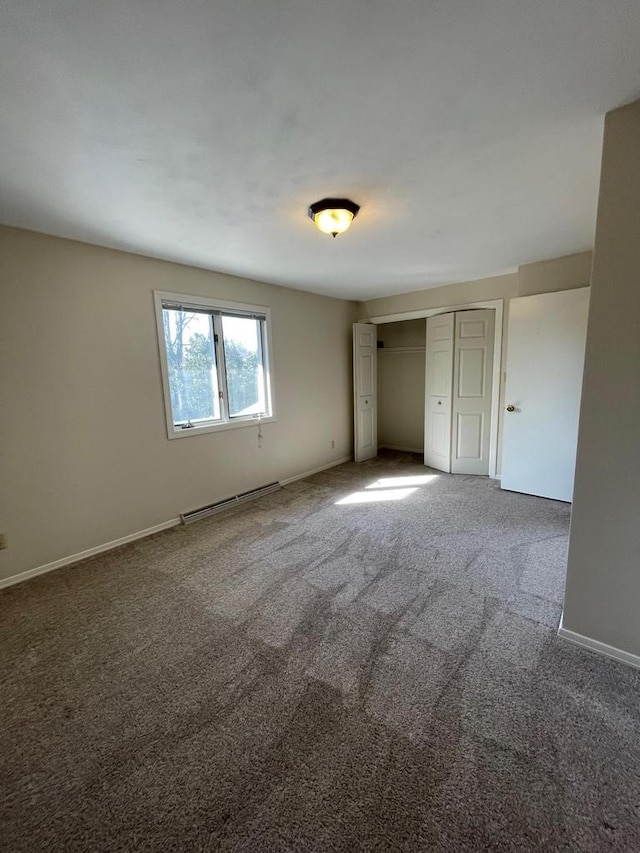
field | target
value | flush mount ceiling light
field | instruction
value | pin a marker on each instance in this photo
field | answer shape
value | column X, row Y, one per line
column 333, row 215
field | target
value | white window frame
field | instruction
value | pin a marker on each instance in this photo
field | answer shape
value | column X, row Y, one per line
column 206, row 304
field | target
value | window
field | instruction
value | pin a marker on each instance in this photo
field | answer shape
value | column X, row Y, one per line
column 215, row 363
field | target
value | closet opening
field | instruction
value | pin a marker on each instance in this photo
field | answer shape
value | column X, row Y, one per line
column 429, row 382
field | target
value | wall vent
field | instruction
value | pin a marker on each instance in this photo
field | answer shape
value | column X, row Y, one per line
column 220, row 506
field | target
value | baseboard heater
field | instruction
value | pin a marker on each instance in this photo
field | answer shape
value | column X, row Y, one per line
column 227, row 503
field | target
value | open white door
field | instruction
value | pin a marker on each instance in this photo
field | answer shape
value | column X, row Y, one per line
column 472, row 385
column 438, row 392
column 545, row 357
column 365, row 391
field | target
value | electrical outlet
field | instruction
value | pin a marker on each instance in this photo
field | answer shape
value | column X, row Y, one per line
column 3, row 541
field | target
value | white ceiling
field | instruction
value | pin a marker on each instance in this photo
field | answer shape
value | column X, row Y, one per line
column 198, row 131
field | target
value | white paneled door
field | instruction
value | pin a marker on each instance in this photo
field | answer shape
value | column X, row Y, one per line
column 438, row 392
column 459, row 379
column 472, row 386
column 365, row 389
column 545, row 357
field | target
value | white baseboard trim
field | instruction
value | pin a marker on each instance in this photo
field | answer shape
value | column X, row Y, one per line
column 402, row 449
column 140, row 534
column 316, row 470
column 598, row 647
column 90, row 552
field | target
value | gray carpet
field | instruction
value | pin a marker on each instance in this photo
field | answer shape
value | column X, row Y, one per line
column 302, row 675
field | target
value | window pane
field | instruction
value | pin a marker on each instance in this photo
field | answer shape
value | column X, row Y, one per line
column 191, row 361
column 245, row 376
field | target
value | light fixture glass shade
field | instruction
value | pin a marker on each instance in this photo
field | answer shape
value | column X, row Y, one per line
column 333, row 215
column 333, row 221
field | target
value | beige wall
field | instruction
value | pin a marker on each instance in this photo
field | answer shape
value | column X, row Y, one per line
column 541, row 277
column 451, row 295
column 85, row 454
column 401, row 367
column 603, row 581
column 407, row 333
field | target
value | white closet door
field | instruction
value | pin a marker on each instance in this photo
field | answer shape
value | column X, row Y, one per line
column 365, row 389
column 438, row 392
column 472, row 385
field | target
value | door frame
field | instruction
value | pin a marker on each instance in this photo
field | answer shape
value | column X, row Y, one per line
column 497, row 390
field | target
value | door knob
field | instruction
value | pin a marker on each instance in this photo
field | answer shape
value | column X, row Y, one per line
column 511, row 408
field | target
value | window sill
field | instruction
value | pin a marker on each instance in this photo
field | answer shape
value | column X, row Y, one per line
column 172, row 432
